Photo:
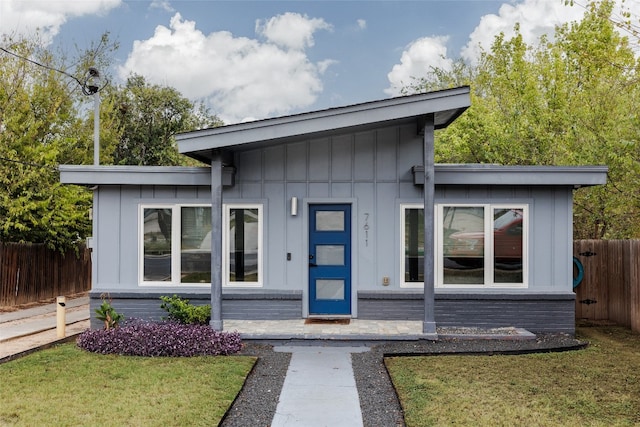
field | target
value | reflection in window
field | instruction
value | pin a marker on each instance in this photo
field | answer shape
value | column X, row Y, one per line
column 243, row 245
column 195, row 244
column 507, row 245
column 414, row 245
column 157, row 244
column 463, row 245
column 482, row 245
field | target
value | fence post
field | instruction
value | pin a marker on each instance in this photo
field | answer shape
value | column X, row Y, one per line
column 634, row 283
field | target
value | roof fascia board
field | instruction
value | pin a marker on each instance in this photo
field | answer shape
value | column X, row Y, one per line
column 135, row 175
column 445, row 174
column 326, row 120
column 466, row 174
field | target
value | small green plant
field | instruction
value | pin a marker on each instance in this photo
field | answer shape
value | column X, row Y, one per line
column 182, row 311
column 108, row 314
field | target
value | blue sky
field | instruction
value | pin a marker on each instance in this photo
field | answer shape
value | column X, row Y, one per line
column 257, row 59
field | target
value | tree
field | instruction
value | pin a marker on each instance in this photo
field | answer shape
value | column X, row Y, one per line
column 147, row 118
column 570, row 101
column 40, row 128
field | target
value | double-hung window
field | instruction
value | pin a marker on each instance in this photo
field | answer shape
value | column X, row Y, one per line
column 477, row 245
column 176, row 245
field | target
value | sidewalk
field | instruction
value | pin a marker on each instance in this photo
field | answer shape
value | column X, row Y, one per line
column 23, row 331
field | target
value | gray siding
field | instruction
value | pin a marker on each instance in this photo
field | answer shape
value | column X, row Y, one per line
column 237, row 305
column 534, row 312
column 372, row 170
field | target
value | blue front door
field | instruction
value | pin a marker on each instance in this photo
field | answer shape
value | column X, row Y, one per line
column 329, row 259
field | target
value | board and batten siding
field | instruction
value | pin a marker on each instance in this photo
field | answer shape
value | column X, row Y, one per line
column 372, row 170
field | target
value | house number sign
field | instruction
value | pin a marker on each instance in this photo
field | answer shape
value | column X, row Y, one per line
column 365, row 227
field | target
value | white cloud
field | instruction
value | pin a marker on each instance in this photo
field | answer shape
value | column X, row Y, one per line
column 238, row 76
column 25, row 18
column 162, row 4
column 291, row 30
column 362, row 24
column 536, row 17
column 418, row 59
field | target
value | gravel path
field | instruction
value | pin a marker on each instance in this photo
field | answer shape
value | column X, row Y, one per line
column 256, row 404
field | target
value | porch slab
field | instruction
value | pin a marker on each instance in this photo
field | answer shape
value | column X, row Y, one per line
column 362, row 330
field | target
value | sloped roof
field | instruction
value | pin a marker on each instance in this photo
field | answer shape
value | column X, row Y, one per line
column 446, row 105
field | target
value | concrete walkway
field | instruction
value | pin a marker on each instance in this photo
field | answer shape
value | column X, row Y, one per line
column 319, row 389
column 32, row 328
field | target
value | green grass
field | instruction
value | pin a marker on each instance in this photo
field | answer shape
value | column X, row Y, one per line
column 598, row 386
column 65, row 386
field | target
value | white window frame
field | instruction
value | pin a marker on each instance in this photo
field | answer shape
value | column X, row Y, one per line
column 226, row 213
column 488, row 249
column 176, row 221
column 403, row 284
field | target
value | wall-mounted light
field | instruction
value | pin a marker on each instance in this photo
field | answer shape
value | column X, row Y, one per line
column 294, row 206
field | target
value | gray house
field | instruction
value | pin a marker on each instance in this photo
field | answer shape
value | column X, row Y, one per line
column 339, row 213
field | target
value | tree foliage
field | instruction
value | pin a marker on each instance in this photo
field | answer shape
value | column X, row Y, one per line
column 147, row 117
column 46, row 120
column 570, row 101
column 39, row 129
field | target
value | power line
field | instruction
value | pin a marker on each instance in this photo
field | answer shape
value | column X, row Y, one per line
column 41, row 65
column 87, row 89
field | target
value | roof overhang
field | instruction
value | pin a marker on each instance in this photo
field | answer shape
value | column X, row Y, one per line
column 445, row 105
column 141, row 175
column 445, row 174
column 489, row 174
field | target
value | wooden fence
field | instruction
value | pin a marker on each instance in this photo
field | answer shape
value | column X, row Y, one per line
column 31, row 272
column 610, row 288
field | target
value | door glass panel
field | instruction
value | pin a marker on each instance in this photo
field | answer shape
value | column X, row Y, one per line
column 329, row 289
column 157, row 245
column 330, row 221
column 463, row 245
column 330, row 254
column 507, row 245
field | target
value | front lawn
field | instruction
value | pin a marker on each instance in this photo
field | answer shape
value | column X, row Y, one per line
column 65, row 386
column 598, row 386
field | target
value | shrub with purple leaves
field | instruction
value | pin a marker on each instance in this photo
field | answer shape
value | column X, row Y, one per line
column 137, row 337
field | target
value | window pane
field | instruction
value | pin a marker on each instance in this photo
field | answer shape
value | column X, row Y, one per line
column 243, row 245
column 463, row 245
column 330, row 254
column 330, row 220
column 330, row 289
column 157, row 245
column 507, row 245
column 414, row 245
column 195, row 244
